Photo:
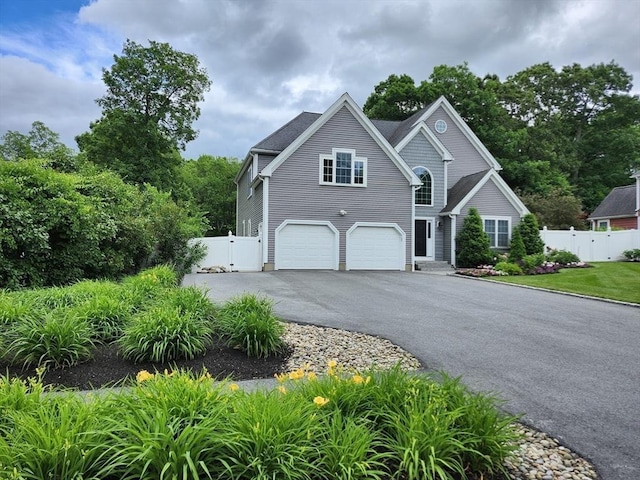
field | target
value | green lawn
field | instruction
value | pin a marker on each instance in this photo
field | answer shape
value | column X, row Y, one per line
column 614, row 280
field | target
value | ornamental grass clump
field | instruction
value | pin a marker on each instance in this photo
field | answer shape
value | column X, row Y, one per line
column 164, row 333
column 247, row 322
column 57, row 339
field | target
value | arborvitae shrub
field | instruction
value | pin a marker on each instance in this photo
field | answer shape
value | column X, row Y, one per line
column 530, row 233
column 473, row 246
column 516, row 248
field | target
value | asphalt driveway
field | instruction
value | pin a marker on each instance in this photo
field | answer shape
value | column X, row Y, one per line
column 570, row 365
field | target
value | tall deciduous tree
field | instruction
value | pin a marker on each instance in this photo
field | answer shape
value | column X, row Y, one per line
column 147, row 113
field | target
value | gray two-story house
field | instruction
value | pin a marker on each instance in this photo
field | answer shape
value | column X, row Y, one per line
column 340, row 191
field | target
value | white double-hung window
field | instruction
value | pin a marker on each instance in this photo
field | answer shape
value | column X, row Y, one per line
column 499, row 231
column 343, row 167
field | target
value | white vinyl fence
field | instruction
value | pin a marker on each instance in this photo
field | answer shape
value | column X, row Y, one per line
column 235, row 254
column 592, row 246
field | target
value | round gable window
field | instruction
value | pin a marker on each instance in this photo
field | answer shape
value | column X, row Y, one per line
column 441, row 126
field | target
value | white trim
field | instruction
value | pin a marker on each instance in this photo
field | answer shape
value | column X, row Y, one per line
column 403, row 236
column 496, row 219
column 431, row 138
column 502, row 186
column 249, row 228
column 464, row 128
column 265, row 220
column 344, row 101
column 430, row 204
column 336, row 244
column 452, row 253
column 354, row 159
column 250, row 181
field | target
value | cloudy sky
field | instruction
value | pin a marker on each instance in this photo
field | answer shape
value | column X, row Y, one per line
column 271, row 59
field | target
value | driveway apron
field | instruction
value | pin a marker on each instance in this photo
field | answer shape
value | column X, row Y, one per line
column 569, row 365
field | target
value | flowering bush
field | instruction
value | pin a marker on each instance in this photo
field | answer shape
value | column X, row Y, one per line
column 545, row 267
column 481, row 271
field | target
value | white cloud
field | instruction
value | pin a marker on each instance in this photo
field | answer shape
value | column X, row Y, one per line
column 271, row 59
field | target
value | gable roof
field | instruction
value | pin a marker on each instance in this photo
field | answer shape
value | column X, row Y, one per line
column 620, row 202
column 431, row 138
column 285, row 135
column 465, row 188
column 426, row 112
column 344, row 101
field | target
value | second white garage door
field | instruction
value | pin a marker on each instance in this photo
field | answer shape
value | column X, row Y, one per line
column 376, row 247
column 306, row 246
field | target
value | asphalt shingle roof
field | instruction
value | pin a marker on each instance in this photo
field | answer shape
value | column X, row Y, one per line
column 621, row 202
column 460, row 190
column 285, row 135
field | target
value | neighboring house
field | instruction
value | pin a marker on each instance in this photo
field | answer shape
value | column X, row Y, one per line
column 619, row 209
column 339, row 191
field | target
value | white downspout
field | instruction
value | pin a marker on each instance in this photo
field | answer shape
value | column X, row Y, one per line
column 413, row 227
column 453, row 239
column 265, row 220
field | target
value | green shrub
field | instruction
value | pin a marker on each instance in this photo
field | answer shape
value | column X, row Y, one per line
column 516, row 250
column 56, row 340
column 57, row 228
column 473, row 247
column 164, row 333
column 508, row 268
column 562, row 257
column 247, row 322
column 632, row 255
column 530, row 232
column 530, row 262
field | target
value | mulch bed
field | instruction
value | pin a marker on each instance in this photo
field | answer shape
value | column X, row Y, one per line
column 107, row 368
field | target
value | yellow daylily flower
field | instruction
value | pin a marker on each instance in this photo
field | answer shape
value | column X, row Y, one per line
column 320, row 401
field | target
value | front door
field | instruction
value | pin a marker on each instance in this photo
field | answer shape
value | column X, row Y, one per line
column 424, row 244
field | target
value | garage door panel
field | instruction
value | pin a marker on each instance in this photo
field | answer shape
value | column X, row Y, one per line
column 306, row 246
column 375, row 248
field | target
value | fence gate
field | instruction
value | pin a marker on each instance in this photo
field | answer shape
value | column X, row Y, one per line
column 235, row 254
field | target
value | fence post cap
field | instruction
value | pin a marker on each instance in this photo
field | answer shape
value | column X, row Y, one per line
column 571, row 228
column 544, row 228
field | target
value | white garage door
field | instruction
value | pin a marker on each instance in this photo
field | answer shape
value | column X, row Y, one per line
column 306, row 246
column 375, row 247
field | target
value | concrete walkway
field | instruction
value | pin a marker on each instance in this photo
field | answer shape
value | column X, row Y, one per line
column 570, row 365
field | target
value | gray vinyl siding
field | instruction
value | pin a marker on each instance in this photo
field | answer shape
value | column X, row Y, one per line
column 490, row 202
column 420, row 153
column 466, row 159
column 446, row 239
column 295, row 191
column 264, row 160
column 249, row 208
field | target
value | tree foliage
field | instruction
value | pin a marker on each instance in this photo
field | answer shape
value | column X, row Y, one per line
column 147, row 113
column 209, row 182
column 39, row 142
column 576, row 129
column 57, row 227
column 473, row 246
column 557, row 209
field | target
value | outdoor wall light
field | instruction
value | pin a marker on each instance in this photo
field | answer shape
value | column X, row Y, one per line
column 343, row 213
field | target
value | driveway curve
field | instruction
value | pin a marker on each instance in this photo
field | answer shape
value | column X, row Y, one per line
column 569, row 365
